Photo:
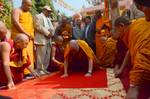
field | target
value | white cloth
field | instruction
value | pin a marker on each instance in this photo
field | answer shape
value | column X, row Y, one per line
column 48, row 24
column 43, row 57
column 43, row 27
column 43, row 44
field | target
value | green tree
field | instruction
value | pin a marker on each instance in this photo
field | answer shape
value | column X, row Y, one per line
column 34, row 9
column 5, row 12
column 39, row 4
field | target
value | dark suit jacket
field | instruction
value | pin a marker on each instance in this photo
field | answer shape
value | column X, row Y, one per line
column 90, row 34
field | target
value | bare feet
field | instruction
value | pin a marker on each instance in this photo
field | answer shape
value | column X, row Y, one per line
column 11, row 85
column 64, row 76
column 88, row 74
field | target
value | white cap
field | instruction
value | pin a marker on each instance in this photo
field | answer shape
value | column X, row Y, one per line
column 47, row 8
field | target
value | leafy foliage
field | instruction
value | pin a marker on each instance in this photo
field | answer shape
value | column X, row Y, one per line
column 39, row 4
column 5, row 12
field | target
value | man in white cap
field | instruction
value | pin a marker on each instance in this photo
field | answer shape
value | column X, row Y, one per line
column 43, row 36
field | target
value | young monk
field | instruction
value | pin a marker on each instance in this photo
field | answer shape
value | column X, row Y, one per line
column 57, row 54
column 78, row 50
column 4, row 56
column 136, row 38
column 100, row 22
column 108, row 50
column 19, row 60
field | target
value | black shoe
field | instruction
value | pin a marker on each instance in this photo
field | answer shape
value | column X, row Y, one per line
column 46, row 72
column 28, row 76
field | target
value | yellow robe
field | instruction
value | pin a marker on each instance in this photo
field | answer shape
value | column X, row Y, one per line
column 26, row 21
column 14, row 57
column 18, row 62
column 110, row 51
column 99, row 43
column 137, row 39
column 84, row 46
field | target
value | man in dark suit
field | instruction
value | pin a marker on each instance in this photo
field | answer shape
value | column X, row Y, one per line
column 89, row 32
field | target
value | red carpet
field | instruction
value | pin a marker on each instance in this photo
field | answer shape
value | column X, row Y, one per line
column 75, row 80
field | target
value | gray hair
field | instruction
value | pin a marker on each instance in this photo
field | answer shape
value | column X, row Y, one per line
column 21, row 37
column 73, row 44
column 122, row 20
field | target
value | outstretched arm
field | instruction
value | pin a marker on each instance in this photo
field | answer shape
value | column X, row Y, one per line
column 35, row 74
column 125, row 63
column 54, row 59
column 5, row 50
column 65, row 68
column 90, row 68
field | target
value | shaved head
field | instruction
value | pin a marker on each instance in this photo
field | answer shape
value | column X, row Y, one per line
column 122, row 20
column 21, row 37
column 74, row 45
column 21, row 41
column 26, row 1
column 26, row 5
column 3, row 30
column 59, row 38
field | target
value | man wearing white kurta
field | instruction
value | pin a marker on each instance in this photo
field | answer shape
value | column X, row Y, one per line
column 43, row 38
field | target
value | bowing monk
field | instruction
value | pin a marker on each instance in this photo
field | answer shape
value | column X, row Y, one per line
column 19, row 60
column 22, row 22
column 76, row 51
column 136, row 37
column 4, row 56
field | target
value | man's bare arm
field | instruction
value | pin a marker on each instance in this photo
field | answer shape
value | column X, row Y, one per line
column 35, row 74
column 65, row 68
column 5, row 50
column 126, row 60
column 53, row 57
column 125, row 63
column 90, row 68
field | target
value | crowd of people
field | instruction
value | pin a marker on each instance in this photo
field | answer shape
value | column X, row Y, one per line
column 39, row 46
